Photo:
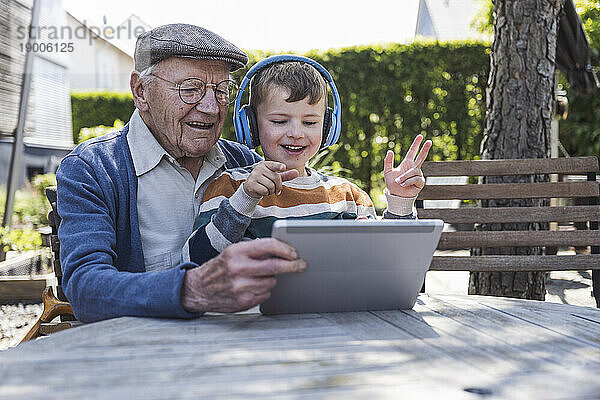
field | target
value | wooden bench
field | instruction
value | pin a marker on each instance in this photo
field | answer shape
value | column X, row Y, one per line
column 522, row 170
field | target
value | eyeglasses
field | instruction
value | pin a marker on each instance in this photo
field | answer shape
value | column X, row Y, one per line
column 192, row 90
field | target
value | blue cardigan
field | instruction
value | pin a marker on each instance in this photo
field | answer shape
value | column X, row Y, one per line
column 101, row 247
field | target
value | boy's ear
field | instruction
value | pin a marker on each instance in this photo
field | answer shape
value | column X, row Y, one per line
column 137, row 90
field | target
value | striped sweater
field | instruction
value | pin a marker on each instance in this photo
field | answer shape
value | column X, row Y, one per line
column 228, row 215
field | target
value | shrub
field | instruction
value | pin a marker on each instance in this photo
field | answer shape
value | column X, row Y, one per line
column 580, row 132
column 19, row 239
column 41, row 182
column 31, row 206
column 95, row 131
column 99, row 108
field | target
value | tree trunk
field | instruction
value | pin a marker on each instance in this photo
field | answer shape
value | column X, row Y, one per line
column 520, row 94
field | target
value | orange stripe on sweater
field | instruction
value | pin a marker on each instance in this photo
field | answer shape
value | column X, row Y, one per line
column 291, row 197
column 224, row 185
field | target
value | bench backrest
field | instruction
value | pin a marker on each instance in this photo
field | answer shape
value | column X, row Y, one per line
column 54, row 222
column 589, row 214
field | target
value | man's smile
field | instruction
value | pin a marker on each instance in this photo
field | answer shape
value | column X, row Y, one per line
column 200, row 125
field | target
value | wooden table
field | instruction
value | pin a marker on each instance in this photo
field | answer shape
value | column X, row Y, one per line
column 447, row 347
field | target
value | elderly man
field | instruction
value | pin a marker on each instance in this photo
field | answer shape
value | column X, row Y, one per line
column 128, row 199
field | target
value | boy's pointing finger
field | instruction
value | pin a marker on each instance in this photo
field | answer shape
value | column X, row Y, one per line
column 289, row 175
column 275, row 166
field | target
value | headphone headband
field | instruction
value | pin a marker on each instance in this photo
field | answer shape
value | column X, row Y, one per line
column 240, row 121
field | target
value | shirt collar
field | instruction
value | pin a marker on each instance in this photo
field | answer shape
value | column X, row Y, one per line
column 216, row 157
column 147, row 153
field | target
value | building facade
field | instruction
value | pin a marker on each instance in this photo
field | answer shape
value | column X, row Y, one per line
column 48, row 134
column 69, row 53
column 99, row 63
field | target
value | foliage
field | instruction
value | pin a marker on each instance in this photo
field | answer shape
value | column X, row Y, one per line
column 41, row 182
column 580, row 132
column 589, row 12
column 484, row 19
column 99, row 108
column 391, row 93
column 95, row 131
column 19, row 239
column 31, row 206
column 30, row 210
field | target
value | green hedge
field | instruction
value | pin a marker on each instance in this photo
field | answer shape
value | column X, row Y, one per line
column 99, row 108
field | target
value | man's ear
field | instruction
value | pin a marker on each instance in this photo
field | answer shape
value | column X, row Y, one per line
column 137, row 89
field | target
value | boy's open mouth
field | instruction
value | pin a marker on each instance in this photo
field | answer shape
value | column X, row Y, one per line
column 199, row 125
column 293, row 149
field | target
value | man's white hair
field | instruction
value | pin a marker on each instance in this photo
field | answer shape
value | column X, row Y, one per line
column 146, row 74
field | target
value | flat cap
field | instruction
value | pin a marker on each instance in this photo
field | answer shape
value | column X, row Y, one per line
column 183, row 40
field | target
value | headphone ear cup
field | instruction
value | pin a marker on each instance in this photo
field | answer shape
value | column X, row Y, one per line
column 253, row 125
column 243, row 133
column 326, row 126
column 249, row 126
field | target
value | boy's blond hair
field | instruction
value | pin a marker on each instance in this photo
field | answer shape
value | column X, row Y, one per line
column 301, row 79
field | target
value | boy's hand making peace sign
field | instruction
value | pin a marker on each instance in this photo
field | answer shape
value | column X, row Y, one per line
column 406, row 180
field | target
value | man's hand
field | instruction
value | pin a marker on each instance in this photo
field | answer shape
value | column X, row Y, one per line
column 239, row 278
column 406, row 180
column 267, row 178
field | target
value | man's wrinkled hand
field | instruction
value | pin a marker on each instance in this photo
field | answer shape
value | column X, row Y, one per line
column 239, row 278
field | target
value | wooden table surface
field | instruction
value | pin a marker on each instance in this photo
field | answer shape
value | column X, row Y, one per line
column 447, row 347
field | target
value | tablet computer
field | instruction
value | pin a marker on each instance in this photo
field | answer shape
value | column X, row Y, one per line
column 354, row 265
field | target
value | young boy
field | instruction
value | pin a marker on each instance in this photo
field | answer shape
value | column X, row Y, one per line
column 289, row 99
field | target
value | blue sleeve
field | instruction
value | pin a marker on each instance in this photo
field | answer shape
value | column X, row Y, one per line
column 199, row 247
column 98, row 276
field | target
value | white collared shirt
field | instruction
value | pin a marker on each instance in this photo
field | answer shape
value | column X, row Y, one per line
column 168, row 197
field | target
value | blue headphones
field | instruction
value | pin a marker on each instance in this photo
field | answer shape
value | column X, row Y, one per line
column 244, row 117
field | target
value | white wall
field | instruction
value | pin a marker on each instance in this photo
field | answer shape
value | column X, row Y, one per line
column 95, row 64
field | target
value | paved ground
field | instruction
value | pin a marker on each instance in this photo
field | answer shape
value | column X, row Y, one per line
column 567, row 287
column 15, row 321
